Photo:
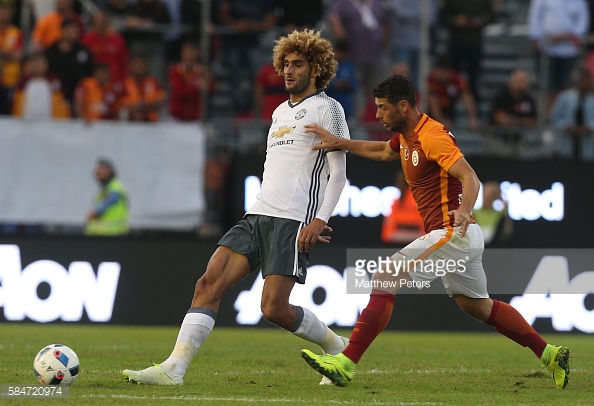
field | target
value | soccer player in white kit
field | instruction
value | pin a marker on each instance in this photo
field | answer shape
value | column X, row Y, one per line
column 300, row 189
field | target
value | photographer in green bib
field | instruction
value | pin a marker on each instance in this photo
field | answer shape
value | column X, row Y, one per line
column 110, row 212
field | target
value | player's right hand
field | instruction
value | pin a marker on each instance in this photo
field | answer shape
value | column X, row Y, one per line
column 329, row 140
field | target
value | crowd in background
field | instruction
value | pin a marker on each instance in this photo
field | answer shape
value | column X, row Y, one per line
column 140, row 60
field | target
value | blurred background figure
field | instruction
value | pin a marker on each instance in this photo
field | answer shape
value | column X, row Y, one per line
column 344, row 86
column 11, row 52
column 69, row 59
column 492, row 217
column 513, row 113
column 514, row 105
column 405, row 34
column 145, row 26
column 269, row 92
column 39, row 95
column 557, row 29
column 110, row 212
column 48, row 28
column 216, row 172
column 96, row 97
column 245, row 22
column 572, row 115
column 404, row 224
column 107, row 46
column 446, row 87
column 143, row 94
column 187, row 79
column 363, row 24
column 465, row 21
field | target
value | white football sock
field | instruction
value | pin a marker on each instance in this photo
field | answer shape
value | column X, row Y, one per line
column 313, row 330
column 195, row 328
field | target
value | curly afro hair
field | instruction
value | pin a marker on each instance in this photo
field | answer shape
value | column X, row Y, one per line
column 317, row 50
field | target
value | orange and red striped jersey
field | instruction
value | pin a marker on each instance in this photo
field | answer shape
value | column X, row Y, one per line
column 426, row 155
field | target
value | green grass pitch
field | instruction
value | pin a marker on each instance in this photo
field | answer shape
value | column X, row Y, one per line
column 264, row 367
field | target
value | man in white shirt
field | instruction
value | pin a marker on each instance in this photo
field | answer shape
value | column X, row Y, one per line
column 557, row 29
column 300, row 189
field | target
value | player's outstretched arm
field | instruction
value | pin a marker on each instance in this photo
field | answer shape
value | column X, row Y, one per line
column 376, row 150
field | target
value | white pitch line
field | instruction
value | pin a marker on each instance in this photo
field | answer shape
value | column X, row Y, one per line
column 253, row 400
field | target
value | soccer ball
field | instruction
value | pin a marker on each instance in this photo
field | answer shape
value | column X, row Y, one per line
column 56, row 364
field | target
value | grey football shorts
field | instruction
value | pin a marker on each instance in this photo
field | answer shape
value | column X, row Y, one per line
column 269, row 243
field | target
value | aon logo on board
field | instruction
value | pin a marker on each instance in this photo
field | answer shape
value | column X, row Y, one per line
column 71, row 289
column 551, row 294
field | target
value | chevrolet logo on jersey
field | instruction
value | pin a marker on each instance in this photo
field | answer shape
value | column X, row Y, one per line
column 282, row 131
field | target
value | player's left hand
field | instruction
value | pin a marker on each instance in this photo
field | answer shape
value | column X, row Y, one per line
column 461, row 219
column 310, row 234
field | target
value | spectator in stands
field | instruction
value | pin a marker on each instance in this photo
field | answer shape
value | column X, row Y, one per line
column 39, row 95
column 11, row 53
column 494, row 222
column 246, row 21
column 191, row 18
column 173, row 36
column 405, row 34
column 344, row 86
column 146, row 24
column 69, row 59
column 446, row 86
column 465, row 21
column 572, row 115
column 404, row 224
column 107, row 46
column 363, row 24
column 514, row 105
column 557, row 28
column 110, row 212
column 187, row 80
column 143, row 94
column 269, row 92
column 299, row 15
column 96, row 97
column 513, row 112
column 48, row 28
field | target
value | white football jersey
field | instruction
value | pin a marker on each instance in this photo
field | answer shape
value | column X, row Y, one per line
column 295, row 177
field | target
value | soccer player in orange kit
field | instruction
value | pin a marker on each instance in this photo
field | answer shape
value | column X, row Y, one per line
column 445, row 188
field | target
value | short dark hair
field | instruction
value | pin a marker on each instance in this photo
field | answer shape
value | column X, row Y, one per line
column 396, row 88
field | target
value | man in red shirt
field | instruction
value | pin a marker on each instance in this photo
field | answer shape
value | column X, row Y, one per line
column 269, row 92
column 445, row 188
column 187, row 79
column 446, row 86
column 107, row 46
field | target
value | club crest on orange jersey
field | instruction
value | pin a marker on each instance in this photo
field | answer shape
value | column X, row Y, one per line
column 282, row 131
